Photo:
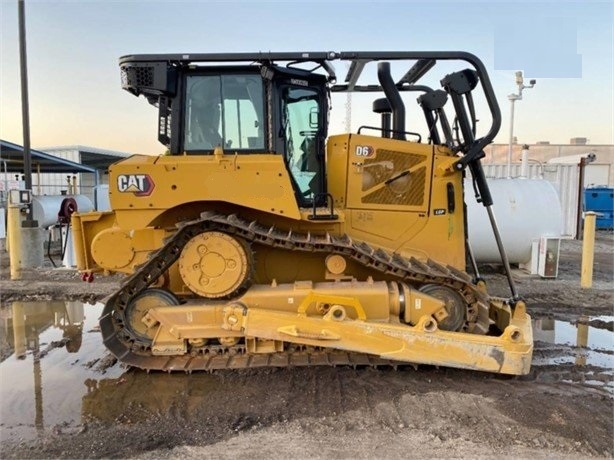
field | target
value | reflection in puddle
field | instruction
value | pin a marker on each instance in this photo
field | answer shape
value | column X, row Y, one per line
column 55, row 374
column 30, row 319
column 47, row 351
column 584, row 352
column 595, row 346
column 598, row 342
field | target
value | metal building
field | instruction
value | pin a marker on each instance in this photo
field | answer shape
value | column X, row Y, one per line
column 57, row 170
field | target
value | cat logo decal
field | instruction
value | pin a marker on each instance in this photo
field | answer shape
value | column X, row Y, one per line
column 139, row 184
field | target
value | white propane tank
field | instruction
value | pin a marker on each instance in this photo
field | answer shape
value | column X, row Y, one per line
column 525, row 210
column 69, row 260
column 101, row 193
column 45, row 208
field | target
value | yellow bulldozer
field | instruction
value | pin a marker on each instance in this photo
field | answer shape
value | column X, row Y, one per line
column 259, row 240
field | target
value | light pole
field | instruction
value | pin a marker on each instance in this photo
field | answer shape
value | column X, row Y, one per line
column 513, row 98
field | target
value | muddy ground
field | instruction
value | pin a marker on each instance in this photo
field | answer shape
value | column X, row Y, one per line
column 564, row 408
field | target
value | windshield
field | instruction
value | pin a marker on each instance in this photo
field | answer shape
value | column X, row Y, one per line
column 224, row 110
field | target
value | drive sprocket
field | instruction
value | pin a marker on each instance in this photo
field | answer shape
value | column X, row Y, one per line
column 216, row 265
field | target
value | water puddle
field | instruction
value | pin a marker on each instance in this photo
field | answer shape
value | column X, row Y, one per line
column 591, row 345
column 46, row 350
column 588, row 345
column 55, row 374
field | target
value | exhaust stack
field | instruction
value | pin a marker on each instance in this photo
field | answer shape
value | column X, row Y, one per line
column 394, row 98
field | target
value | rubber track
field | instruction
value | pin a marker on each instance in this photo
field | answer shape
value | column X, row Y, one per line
column 133, row 351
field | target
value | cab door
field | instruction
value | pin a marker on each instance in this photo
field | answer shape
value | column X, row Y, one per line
column 302, row 120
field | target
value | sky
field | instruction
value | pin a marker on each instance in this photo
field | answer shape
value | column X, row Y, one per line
column 74, row 80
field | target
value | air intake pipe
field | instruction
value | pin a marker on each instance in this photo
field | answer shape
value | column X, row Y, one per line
column 394, row 97
column 382, row 106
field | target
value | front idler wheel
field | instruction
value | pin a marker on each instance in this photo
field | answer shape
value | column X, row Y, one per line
column 454, row 304
column 140, row 305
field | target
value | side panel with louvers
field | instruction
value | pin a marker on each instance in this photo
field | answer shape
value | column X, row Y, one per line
column 385, row 174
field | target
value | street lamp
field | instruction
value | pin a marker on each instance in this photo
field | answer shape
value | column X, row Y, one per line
column 513, row 98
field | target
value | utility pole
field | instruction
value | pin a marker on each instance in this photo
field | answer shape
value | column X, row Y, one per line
column 25, row 237
column 513, row 98
column 25, row 110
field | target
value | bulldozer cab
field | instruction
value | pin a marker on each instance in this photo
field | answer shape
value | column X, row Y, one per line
column 243, row 110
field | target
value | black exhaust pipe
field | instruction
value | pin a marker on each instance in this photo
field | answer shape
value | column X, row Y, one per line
column 394, row 97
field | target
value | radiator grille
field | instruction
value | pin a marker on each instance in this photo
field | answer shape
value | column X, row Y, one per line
column 407, row 189
column 137, row 76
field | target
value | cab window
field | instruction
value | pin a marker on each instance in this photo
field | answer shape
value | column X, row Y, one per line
column 224, row 110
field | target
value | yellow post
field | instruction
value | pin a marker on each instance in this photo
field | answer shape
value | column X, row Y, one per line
column 588, row 249
column 14, row 239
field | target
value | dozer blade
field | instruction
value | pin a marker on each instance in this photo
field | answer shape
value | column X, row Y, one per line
column 509, row 353
column 423, row 343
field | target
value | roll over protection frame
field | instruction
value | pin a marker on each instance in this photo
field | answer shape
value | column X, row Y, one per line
column 425, row 60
